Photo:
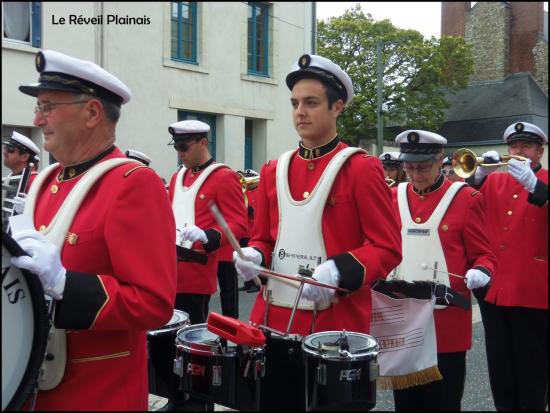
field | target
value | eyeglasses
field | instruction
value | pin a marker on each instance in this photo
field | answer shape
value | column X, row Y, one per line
column 46, row 108
column 420, row 168
column 447, row 172
column 183, row 146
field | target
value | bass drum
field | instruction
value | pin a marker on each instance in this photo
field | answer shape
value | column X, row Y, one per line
column 24, row 328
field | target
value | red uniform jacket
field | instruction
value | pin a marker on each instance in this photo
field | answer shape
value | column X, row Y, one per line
column 121, row 282
column 519, row 236
column 360, row 228
column 222, row 187
column 464, row 241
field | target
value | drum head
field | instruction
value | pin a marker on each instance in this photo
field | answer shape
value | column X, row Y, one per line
column 197, row 338
column 24, row 328
column 327, row 344
column 180, row 319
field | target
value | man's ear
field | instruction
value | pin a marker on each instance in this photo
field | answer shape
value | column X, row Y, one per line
column 94, row 112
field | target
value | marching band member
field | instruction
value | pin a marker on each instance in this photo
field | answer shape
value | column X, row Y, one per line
column 251, row 195
column 199, row 182
column 18, row 153
column 515, row 309
column 336, row 210
column 447, row 170
column 443, row 227
column 393, row 168
column 113, row 272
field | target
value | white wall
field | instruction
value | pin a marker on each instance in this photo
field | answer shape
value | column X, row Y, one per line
column 140, row 56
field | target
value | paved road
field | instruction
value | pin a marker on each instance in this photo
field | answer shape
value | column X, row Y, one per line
column 477, row 393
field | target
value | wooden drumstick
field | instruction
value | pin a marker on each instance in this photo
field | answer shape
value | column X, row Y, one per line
column 425, row 267
column 229, row 234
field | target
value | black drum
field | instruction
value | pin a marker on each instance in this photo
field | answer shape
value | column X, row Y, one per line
column 283, row 386
column 341, row 371
column 216, row 370
column 161, row 353
column 24, row 328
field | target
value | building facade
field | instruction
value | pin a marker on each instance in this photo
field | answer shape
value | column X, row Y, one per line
column 224, row 63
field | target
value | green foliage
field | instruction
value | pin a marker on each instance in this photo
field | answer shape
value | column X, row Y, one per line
column 416, row 71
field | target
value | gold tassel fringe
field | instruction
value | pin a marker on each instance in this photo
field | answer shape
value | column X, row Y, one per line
column 408, row 380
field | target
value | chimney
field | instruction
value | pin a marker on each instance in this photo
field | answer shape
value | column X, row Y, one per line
column 453, row 17
column 527, row 22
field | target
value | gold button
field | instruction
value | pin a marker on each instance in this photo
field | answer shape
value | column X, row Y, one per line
column 192, row 174
column 422, row 197
column 306, row 194
column 509, row 212
column 417, row 220
column 445, row 227
column 515, row 196
column 72, row 238
column 54, row 189
column 505, row 228
column 201, row 196
column 311, row 166
column 42, row 228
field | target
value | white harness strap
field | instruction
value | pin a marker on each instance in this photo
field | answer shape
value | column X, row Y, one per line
column 300, row 239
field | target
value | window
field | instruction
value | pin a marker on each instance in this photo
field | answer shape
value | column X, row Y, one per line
column 258, row 40
column 184, row 31
column 203, row 117
column 22, row 22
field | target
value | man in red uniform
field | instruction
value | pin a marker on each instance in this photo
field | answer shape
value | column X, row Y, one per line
column 393, row 168
column 18, row 153
column 192, row 188
column 443, row 227
column 515, row 309
column 113, row 271
column 336, row 211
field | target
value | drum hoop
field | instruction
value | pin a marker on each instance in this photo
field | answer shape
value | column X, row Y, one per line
column 366, row 353
column 40, row 331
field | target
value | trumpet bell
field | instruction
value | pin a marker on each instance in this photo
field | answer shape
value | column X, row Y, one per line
column 465, row 162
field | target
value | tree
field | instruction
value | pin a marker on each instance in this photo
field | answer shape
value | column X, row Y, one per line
column 417, row 72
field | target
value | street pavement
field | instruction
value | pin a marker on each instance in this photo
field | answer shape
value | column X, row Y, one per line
column 477, row 392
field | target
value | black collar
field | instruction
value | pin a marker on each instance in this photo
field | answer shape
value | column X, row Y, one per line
column 203, row 166
column 537, row 168
column 319, row 151
column 436, row 185
column 73, row 171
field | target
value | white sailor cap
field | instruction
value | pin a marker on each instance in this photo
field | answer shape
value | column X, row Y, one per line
column 138, row 156
column 390, row 158
column 249, row 173
column 419, row 145
column 324, row 70
column 523, row 131
column 68, row 74
column 187, row 129
column 22, row 142
column 448, row 160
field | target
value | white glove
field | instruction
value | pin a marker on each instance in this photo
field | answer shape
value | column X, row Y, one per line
column 244, row 267
column 192, row 233
column 327, row 273
column 44, row 261
column 522, row 172
column 482, row 172
column 19, row 203
column 475, row 279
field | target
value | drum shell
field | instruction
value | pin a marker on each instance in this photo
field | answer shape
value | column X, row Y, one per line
column 335, row 381
column 231, row 379
column 284, row 375
column 161, row 353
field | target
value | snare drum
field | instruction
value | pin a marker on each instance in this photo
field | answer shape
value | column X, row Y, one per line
column 161, row 354
column 341, row 371
column 24, row 329
column 217, row 370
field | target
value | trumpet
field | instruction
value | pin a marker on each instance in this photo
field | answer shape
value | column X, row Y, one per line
column 465, row 162
column 247, row 182
column 390, row 182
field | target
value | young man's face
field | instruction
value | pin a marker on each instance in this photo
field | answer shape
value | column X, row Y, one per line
column 313, row 119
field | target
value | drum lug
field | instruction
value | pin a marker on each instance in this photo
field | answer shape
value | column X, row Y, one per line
column 259, row 369
column 322, row 374
column 374, row 372
column 178, row 366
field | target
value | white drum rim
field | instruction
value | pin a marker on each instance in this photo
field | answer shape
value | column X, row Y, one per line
column 172, row 326
column 368, row 353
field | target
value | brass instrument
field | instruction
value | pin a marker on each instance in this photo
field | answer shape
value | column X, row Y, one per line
column 465, row 162
column 390, row 182
column 246, row 184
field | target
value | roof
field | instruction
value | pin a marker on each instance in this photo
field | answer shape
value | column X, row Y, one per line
column 479, row 114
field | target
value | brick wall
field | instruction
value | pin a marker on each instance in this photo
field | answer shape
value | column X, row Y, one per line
column 453, row 17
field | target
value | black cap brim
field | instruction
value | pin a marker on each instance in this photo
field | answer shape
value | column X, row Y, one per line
column 35, row 89
column 417, row 157
column 314, row 73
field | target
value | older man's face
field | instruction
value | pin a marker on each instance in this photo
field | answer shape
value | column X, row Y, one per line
column 423, row 174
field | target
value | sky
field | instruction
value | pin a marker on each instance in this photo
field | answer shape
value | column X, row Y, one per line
column 424, row 17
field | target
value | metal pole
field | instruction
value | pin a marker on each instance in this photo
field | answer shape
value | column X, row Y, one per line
column 379, row 90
